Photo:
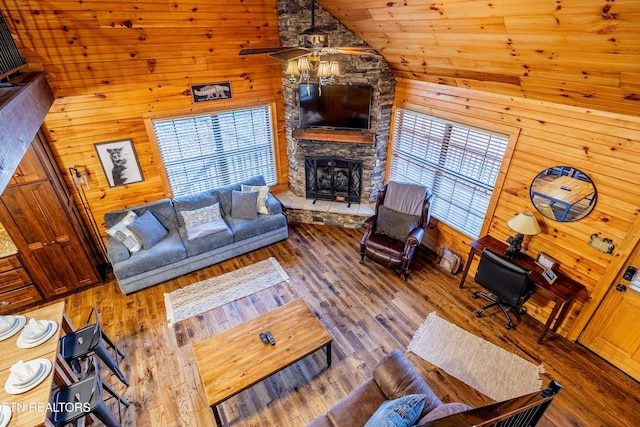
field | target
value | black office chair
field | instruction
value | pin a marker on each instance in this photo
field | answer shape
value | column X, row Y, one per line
column 508, row 283
column 90, row 340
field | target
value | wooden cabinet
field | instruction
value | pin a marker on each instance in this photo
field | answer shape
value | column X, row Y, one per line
column 16, row 287
column 30, row 169
column 39, row 215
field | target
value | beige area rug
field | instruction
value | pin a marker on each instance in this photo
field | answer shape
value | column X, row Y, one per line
column 211, row 293
column 491, row 370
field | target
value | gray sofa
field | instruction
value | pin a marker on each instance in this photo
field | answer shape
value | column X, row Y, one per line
column 175, row 254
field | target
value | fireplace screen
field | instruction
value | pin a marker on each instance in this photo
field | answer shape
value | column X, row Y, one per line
column 333, row 179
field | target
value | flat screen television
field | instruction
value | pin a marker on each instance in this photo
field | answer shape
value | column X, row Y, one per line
column 335, row 107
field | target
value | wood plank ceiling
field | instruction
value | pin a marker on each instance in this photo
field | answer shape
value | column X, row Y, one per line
column 584, row 53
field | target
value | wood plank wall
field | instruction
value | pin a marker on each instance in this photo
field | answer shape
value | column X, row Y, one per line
column 574, row 52
column 603, row 145
column 111, row 64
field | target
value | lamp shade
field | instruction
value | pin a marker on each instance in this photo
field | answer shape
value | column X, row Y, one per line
column 334, row 68
column 524, row 223
column 324, row 69
column 304, row 64
column 292, row 68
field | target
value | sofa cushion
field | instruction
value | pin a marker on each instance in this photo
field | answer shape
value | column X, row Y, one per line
column 357, row 407
column 204, row 229
column 209, row 242
column 401, row 412
column 246, row 228
column 273, row 205
column 384, row 244
column 397, row 377
column 167, row 251
column 443, row 411
column 203, row 221
column 122, row 234
column 394, row 224
column 202, row 215
column 191, row 203
column 225, row 193
column 263, row 193
column 244, row 204
column 148, row 229
column 194, row 201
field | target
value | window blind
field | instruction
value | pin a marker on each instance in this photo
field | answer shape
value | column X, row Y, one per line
column 213, row 150
column 458, row 163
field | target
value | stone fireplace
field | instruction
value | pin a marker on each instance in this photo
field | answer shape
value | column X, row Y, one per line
column 368, row 147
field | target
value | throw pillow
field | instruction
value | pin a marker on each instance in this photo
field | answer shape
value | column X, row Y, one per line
column 402, row 412
column 263, row 193
column 122, row 234
column 442, row 411
column 148, row 229
column 244, row 204
column 201, row 216
column 206, row 228
column 395, row 224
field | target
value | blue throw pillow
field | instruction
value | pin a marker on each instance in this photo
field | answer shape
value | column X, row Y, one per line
column 244, row 204
column 148, row 229
column 402, row 412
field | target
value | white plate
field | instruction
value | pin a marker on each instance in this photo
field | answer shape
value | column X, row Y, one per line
column 5, row 415
column 43, row 366
column 29, row 337
column 18, row 323
column 23, row 342
column 10, row 321
column 37, row 371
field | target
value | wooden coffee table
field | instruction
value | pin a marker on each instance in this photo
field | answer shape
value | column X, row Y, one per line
column 234, row 360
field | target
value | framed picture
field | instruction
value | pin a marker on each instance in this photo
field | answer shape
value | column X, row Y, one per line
column 211, row 91
column 119, row 162
column 549, row 276
column 546, row 262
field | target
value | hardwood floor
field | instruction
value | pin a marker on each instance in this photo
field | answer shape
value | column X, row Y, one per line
column 367, row 309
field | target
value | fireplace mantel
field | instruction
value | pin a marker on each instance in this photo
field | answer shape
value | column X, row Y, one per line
column 334, row 135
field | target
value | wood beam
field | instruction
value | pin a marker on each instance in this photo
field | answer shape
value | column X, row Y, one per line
column 23, row 108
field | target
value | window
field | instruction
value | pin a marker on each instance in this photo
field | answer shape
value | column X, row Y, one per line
column 458, row 163
column 212, row 150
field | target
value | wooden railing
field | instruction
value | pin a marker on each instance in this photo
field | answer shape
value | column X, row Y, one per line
column 523, row 411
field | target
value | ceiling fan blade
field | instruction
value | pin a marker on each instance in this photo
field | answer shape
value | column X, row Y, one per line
column 360, row 51
column 291, row 53
column 261, row 50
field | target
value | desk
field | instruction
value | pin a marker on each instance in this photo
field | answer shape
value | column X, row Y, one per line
column 566, row 191
column 29, row 409
column 561, row 292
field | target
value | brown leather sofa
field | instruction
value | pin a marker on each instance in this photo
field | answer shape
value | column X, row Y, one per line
column 393, row 377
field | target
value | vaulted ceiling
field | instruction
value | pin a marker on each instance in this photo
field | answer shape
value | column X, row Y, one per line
column 577, row 52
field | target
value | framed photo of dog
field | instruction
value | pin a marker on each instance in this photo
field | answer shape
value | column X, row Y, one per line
column 119, row 162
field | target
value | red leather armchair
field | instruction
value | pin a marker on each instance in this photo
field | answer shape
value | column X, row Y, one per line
column 392, row 235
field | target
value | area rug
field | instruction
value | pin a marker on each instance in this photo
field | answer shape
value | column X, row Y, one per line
column 491, row 370
column 214, row 292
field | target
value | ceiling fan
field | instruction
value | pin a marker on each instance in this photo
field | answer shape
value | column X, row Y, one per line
column 311, row 42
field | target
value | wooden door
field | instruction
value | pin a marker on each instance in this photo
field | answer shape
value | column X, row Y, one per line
column 614, row 331
column 37, row 222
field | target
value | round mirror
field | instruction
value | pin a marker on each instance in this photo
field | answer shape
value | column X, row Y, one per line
column 563, row 193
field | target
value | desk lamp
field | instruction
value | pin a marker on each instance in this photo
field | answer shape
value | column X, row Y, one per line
column 523, row 224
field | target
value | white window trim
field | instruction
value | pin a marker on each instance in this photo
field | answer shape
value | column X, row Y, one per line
column 480, row 123
column 205, row 108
